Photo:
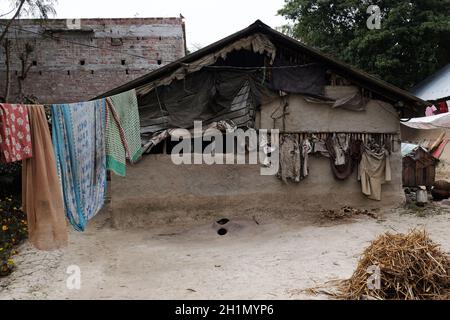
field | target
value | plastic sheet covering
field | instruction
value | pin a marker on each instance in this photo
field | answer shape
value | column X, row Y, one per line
column 347, row 97
column 407, row 148
column 432, row 122
column 307, row 79
column 208, row 96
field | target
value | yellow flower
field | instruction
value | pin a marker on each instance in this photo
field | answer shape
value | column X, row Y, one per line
column 10, row 261
column 4, row 228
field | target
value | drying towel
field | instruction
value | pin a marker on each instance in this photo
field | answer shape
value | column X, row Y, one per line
column 79, row 141
column 374, row 171
column 41, row 191
column 123, row 137
column 15, row 138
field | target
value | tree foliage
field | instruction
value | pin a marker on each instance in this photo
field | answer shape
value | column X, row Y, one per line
column 412, row 43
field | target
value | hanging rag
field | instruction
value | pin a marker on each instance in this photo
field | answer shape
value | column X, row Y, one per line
column 374, row 170
column 319, row 146
column 290, row 166
column 78, row 131
column 15, row 138
column 351, row 155
column 306, row 150
column 442, row 107
column 340, row 145
column 123, row 137
column 42, row 199
column 430, row 111
column 266, row 148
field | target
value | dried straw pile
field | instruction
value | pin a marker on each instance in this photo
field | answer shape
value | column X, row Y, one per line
column 411, row 267
column 345, row 213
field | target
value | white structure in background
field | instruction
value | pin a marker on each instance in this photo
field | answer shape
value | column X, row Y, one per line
column 435, row 88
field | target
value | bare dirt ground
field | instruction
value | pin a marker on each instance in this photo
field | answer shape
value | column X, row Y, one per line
column 261, row 258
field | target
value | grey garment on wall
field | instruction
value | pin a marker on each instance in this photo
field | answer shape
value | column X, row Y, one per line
column 290, row 158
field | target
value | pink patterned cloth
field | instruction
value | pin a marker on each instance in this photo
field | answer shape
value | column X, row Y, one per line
column 15, row 137
column 430, row 111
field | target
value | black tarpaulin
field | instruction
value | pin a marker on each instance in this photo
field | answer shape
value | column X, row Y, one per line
column 207, row 95
column 309, row 79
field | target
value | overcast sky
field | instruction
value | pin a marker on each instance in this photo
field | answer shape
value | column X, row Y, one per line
column 206, row 20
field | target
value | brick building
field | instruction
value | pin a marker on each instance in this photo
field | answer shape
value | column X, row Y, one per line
column 77, row 59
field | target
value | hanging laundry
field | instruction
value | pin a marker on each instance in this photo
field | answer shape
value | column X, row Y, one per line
column 430, row 111
column 266, row 148
column 374, row 170
column 340, row 146
column 350, row 152
column 319, row 146
column 442, row 107
column 289, row 158
column 15, row 138
column 42, row 199
column 306, row 150
column 79, row 142
column 123, row 137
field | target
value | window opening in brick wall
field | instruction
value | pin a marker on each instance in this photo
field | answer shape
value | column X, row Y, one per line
column 116, row 41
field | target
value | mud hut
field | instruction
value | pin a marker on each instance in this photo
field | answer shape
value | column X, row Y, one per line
column 262, row 79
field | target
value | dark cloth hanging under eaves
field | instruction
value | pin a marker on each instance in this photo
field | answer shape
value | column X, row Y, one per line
column 309, row 79
column 208, row 95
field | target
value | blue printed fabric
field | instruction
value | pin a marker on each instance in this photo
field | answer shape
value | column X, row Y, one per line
column 78, row 133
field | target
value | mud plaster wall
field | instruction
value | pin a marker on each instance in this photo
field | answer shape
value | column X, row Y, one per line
column 155, row 190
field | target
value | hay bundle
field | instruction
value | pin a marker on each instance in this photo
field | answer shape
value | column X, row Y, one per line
column 411, row 267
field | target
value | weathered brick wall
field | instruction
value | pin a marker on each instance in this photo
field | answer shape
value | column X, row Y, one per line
column 68, row 72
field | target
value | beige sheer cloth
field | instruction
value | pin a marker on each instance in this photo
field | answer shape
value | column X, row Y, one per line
column 41, row 190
